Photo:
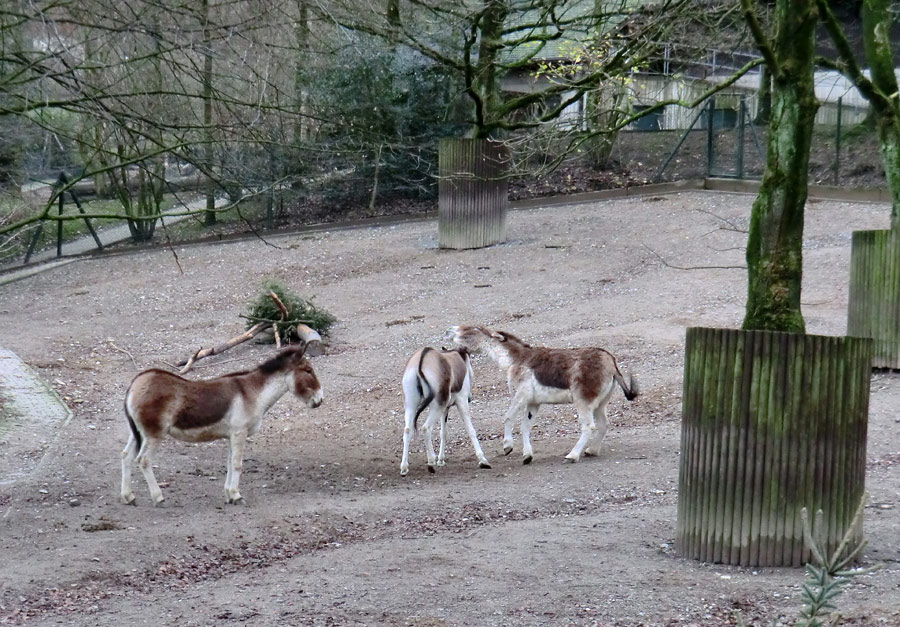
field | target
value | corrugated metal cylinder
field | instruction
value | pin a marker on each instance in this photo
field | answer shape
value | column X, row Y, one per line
column 874, row 308
column 472, row 193
column 771, row 423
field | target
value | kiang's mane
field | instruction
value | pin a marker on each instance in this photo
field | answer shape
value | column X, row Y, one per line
column 280, row 361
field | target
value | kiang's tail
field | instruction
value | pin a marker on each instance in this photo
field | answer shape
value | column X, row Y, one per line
column 138, row 440
column 425, row 391
column 631, row 388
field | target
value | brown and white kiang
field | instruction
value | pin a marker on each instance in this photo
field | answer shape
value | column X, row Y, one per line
column 537, row 375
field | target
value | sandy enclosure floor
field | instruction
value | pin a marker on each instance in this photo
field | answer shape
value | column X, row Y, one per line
column 329, row 533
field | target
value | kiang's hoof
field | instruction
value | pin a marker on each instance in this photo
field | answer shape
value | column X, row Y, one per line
column 484, row 465
column 128, row 500
column 431, row 468
column 403, row 473
column 571, row 460
column 507, row 450
column 527, row 460
column 236, row 501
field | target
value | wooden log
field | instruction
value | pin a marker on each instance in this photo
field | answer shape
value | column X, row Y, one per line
column 772, row 423
column 874, row 306
column 472, row 193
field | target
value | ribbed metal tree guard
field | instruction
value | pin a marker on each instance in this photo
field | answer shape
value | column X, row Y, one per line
column 874, row 309
column 772, row 423
column 472, row 193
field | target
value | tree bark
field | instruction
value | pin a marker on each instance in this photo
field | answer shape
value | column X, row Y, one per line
column 487, row 85
column 775, row 243
column 301, row 97
column 210, row 214
column 764, row 98
column 877, row 20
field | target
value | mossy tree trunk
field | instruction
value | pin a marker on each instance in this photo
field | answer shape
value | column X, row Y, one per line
column 878, row 17
column 485, row 84
column 773, row 422
column 880, row 87
column 775, row 243
column 873, row 309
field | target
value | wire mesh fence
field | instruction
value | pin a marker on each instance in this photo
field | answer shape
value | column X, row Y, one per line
column 725, row 140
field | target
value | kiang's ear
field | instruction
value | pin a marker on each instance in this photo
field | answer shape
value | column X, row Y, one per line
column 498, row 335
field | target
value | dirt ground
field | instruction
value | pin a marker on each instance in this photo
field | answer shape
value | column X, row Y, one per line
column 330, row 533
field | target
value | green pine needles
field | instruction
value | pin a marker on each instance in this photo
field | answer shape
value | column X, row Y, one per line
column 827, row 575
column 298, row 310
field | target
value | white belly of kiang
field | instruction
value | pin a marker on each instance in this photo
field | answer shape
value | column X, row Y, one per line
column 549, row 395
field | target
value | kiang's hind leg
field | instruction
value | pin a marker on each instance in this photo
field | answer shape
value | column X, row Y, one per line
column 145, row 462
column 602, row 424
column 128, row 454
column 588, row 428
column 435, row 414
column 442, row 445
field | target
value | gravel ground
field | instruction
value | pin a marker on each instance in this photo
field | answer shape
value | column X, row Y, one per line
column 330, row 534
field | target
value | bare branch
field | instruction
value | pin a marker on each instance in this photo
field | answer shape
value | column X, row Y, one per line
column 669, row 265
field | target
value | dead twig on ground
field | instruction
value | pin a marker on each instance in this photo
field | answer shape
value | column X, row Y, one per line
column 669, row 265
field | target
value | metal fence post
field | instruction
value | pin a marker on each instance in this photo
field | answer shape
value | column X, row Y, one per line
column 837, row 141
column 711, row 107
column 739, row 157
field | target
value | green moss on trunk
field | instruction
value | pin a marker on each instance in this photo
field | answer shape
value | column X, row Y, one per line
column 877, row 21
column 775, row 244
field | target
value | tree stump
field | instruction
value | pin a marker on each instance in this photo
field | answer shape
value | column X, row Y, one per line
column 874, row 309
column 472, row 193
column 772, row 423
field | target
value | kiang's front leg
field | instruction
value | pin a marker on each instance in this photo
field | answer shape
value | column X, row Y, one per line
column 527, row 421
column 463, row 406
column 235, row 465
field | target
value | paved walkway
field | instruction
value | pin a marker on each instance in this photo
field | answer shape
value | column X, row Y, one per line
column 30, row 413
column 46, row 259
